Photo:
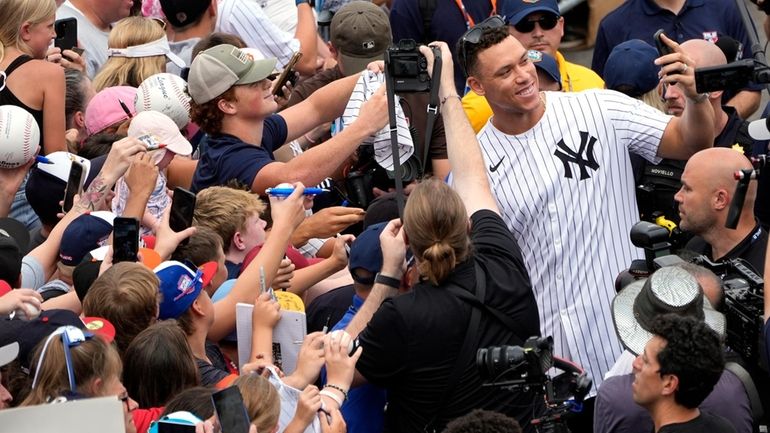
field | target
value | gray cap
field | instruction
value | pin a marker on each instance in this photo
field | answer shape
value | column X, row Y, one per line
column 217, row 69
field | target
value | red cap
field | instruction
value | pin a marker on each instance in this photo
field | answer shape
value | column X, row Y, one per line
column 209, row 270
column 4, row 287
column 101, row 327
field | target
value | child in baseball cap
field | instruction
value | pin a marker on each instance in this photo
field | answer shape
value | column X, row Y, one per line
column 164, row 141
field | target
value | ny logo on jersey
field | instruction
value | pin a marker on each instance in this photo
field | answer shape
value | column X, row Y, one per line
column 583, row 158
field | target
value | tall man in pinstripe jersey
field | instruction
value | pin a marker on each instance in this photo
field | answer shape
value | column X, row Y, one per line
column 559, row 165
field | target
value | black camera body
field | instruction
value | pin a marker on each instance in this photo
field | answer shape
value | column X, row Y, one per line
column 408, row 67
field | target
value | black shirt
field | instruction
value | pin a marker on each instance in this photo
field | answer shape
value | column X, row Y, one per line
column 413, row 340
column 705, row 422
column 752, row 249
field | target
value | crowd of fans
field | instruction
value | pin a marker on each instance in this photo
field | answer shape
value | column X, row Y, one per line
column 346, row 255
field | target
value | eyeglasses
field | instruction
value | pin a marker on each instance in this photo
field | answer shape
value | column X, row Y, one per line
column 546, row 22
column 473, row 36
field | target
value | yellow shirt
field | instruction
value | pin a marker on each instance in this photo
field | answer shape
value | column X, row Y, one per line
column 574, row 78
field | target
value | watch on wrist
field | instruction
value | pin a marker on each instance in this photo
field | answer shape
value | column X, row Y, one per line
column 387, row 281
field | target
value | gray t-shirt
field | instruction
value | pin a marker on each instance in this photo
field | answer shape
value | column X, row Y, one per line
column 32, row 273
column 90, row 38
column 183, row 49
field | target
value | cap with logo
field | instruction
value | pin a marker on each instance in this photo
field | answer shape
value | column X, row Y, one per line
column 162, row 128
column 360, row 32
column 516, row 10
column 217, row 69
column 180, row 286
column 547, row 64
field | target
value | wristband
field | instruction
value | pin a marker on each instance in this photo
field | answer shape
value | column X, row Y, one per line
column 338, row 388
column 386, row 281
column 332, row 396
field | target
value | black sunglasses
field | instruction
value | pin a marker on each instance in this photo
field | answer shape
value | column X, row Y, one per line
column 473, row 36
column 546, row 21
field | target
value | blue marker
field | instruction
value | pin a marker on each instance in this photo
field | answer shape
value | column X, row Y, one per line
column 42, row 159
column 285, row 192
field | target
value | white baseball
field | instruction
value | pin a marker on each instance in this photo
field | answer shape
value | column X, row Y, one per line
column 165, row 93
column 19, row 136
column 27, row 311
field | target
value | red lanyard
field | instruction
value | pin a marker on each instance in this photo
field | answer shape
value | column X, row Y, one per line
column 468, row 18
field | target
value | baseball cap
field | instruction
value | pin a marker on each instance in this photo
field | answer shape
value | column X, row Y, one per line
column 365, row 253
column 104, row 109
column 516, row 10
column 215, row 70
column 630, row 68
column 180, row 286
column 162, row 128
column 28, row 333
column 83, row 234
column 181, row 418
column 669, row 290
column 546, row 63
column 61, row 163
column 180, row 13
column 360, row 31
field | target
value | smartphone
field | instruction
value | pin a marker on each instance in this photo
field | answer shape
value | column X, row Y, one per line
column 173, row 427
column 230, row 410
column 663, row 49
column 66, row 33
column 182, row 209
column 286, row 74
column 74, row 185
column 125, row 239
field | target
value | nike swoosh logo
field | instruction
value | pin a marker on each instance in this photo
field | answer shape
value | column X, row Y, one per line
column 493, row 168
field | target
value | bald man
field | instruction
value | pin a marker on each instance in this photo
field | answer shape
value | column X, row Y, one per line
column 708, row 187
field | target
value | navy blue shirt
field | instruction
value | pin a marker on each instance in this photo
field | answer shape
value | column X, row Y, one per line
column 447, row 24
column 228, row 157
column 698, row 19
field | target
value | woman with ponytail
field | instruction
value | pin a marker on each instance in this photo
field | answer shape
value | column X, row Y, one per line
column 421, row 345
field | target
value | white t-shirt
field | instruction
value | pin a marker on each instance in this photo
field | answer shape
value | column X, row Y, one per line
column 90, row 38
column 566, row 191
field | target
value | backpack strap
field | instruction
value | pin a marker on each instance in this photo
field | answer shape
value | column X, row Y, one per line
column 751, row 389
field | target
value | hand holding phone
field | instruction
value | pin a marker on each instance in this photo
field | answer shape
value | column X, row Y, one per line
column 663, row 49
column 182, row 210
column 66, row 33
column 286, row 74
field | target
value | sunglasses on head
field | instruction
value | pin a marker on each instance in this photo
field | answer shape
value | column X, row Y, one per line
column 473, row 36
column 546, row 22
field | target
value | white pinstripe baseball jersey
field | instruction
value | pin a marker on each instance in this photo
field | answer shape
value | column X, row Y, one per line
column 246, row 19
column 566, row 191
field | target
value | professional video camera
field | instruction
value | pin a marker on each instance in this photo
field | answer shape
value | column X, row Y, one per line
column 524, row 368
column 743, row 304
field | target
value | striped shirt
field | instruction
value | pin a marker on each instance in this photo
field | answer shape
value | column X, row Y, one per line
column 245, row 18
column 566, row 191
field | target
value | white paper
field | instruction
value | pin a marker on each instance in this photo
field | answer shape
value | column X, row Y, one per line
column 287, row 336
column 91, row 415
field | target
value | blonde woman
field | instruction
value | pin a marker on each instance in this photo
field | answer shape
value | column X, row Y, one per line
column 138, row 48
column 26, row 79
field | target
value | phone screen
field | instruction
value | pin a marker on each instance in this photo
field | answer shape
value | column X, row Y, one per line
column 125, row 240
column 74, row 185
column 172, row 427
column 66, row 33
column 182, row 209
column 230, row 410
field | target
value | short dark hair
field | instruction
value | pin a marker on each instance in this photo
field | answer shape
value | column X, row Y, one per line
column 483, row 421
column 217, row 38
column 74, row 95
column 201, row 247
column 196, row 400
column 490, row 36
column 693, row 353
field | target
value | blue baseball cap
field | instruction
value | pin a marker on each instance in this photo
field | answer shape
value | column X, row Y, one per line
column 176, row 418
column 365, row 253
column 630, row 68
column 85, row 233
column 546, row 63
column 179, row 288
column 516, row 10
